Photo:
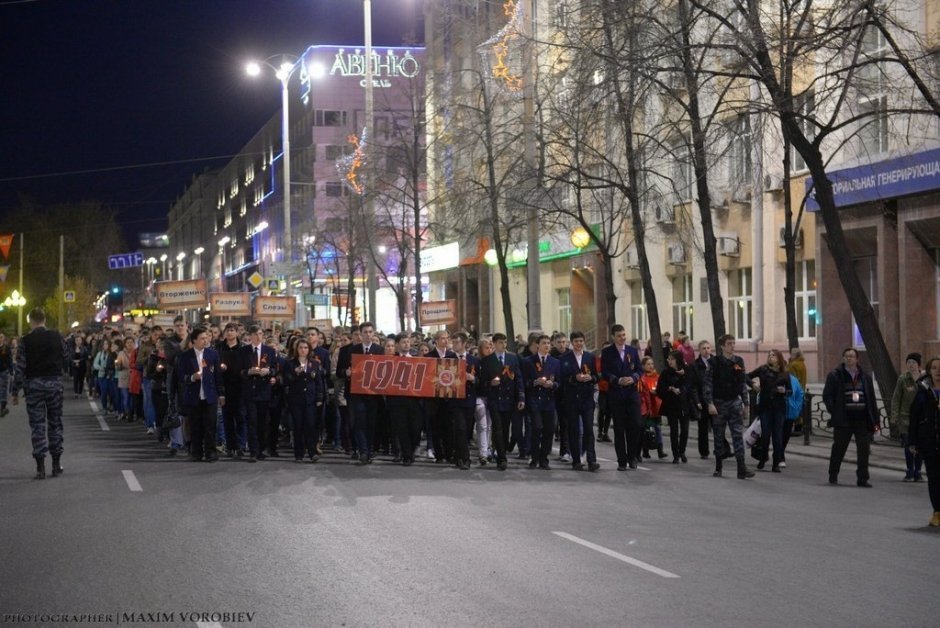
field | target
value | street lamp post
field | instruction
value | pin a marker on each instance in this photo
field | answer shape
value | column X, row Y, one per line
column 222, row 243
column 179, row 259
column 372, row 275
column 198, row 253
column 163, row 259
column 283, row 74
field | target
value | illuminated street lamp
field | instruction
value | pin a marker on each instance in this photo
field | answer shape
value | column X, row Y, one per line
column 163, row 259
column 222, row 242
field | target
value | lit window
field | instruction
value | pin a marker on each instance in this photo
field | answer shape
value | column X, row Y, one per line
column 740, row 303
column 638, row 318
column 682, row 304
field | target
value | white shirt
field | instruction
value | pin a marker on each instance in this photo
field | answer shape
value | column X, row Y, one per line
column 578, row 356
column 202, row 390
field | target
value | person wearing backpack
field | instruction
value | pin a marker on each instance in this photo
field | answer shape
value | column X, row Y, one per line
column 794, row 412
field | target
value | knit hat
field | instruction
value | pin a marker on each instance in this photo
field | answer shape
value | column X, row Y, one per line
column 914, row 356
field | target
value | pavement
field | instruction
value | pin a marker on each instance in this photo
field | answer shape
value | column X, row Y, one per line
column 129, row 536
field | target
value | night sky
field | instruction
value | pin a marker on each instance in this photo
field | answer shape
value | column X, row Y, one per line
column 101, row 84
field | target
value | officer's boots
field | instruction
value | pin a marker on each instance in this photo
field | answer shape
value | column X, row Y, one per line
column 743, row 472
column 56, row 465
column 40, row 468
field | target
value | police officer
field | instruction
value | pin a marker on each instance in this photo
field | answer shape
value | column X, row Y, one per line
column 725, row 391
column 38, row 371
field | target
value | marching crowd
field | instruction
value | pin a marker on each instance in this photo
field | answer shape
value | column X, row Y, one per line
column 247, row 393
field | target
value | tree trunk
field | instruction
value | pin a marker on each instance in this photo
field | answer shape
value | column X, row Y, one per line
column 789, row 243
column 699, row 162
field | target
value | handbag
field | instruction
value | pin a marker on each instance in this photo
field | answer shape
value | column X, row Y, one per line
column 649, row 438
column 172, row 421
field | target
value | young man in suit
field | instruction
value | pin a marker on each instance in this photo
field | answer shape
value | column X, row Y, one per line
column 542, row 380
column 364, row 408
column 406, row 413
column 505, row 395
column 579, row 376
column 259, row 373
column 620, row 367
column 200, row 376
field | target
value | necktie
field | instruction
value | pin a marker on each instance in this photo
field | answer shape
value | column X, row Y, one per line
column 501, row 359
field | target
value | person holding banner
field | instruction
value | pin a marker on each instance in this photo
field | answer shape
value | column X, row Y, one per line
column 199, row 374
column 306, row 396
column 440, row 412
column 505, row 395
column 406, row 413
column 465, row 407
column 364, row 408
column 258, row 370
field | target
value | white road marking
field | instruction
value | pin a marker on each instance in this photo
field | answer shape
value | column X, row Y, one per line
column 104, row 425
column 643, row 468
column 131, row 480
column 94, row 406
column 617, row 555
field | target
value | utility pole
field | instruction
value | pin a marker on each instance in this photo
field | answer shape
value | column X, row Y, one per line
column 533, row 276
column 63, row 324
column 372, row 273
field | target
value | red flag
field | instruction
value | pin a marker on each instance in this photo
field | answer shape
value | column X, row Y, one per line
column 6, row 242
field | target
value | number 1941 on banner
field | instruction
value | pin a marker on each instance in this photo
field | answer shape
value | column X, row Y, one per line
column 408, row 377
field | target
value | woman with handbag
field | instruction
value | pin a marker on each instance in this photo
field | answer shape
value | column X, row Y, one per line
column 679, row 396
column 773, row 384
column 924, row 432
column 650, row 408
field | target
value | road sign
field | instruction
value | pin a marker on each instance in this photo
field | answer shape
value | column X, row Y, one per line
column 316, row 299
column 125, row 260
column 255, row 280
column 69, row 296
column 273, row 284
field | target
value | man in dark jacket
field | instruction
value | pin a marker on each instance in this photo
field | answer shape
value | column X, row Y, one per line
column 199, row 375
column 726, row 395
column 620, row 367
column 849, row 396
column 505, row 395
column 579, row 376
column 233, row 417
column 258, row 367
column 38, row 371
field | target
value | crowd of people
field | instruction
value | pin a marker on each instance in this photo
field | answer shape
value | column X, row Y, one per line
column 247, row 393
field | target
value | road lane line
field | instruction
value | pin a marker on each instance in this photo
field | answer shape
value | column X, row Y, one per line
column 94, row 406
column 104, row 425
column 617, row 555
column 131, row 480
column 643, row 468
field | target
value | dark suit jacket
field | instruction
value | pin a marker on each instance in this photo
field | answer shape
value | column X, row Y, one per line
column 374, row 349
column 511, row 389
column 212, row 383
column 472, row 366
column 539, row 397
column 613, row 368
column 308, row 387
column 258, row 388
column 580, row 394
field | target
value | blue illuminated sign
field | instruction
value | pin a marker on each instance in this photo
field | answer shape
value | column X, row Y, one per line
column 892, row 178
column 125, row 260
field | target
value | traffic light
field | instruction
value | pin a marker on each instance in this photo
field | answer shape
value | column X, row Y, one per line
column 116, row 297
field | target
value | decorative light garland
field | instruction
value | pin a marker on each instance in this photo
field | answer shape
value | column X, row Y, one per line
column 350, row 165
column 499, row 46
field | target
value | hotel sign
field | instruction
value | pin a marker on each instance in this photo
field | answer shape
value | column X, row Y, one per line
column 388, row 65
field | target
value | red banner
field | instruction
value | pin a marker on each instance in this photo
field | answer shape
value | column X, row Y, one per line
column 6, row 241
column 408, row 377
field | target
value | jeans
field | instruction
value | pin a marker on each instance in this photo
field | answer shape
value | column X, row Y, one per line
column 125, row 400
column 483, row 424
column 150, row 414
column 912, row 461
column 841, row 436
column 771, row 431
column 580, row 431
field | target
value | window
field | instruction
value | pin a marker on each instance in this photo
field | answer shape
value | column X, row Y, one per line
column 805, row 106
column 867, row 270
column 805, row 293
column 682, row 175
column 329, row 117
column 872, row 90
column 560, row 15
column 682, row 304
column 564, row 310
column 740, row 303
column 638, row 311
column 249, row 174
column 741, row 141
column 335, row 189
column 244, row 207
column 334, row 152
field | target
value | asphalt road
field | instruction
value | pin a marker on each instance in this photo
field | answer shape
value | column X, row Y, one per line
column 334, row 544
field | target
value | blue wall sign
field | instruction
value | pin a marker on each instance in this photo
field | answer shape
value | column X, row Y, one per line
column 892, row 178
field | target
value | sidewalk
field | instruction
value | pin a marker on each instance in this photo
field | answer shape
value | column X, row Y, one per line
column 885, row 453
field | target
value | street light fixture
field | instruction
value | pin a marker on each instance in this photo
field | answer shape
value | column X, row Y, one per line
column 199, row 251
column 16, row 300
